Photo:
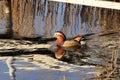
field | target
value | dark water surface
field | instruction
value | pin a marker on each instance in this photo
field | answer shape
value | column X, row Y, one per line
column 98, row 60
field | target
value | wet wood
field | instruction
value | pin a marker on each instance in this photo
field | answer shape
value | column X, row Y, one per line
column 95, row 3
column 24, row 46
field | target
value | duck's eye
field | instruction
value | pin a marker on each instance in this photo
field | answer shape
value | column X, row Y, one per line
column 56, row 34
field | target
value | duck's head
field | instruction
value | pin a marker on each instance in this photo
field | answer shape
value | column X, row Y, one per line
column 60, row 37
column 79, row 39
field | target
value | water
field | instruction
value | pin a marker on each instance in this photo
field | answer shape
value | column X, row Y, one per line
column 99, row 59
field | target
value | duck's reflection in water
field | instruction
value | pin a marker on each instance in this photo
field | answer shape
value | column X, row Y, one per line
column 60, row 53
column 70, row 55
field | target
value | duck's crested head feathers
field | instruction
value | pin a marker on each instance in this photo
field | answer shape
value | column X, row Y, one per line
column 60, row 37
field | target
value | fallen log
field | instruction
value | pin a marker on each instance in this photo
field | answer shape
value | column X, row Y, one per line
column 24, row 46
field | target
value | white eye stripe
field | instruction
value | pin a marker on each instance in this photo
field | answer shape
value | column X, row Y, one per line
column 58, row 34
